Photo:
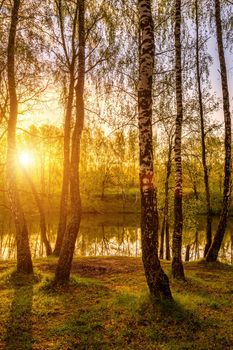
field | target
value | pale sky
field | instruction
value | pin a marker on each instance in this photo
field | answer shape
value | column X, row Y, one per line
column 49, row 110
column 215, row 74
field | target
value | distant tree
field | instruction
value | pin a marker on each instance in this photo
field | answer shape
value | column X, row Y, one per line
column 165, row 223
column 39, row 204
column 212, row 254
column 157, row 280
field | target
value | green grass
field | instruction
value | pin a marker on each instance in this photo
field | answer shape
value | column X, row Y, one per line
column 114, row 311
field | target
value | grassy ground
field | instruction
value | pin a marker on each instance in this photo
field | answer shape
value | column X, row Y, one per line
column 106, row 306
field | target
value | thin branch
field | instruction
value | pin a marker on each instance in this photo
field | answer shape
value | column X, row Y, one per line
column 60, row 17
column 74, row 33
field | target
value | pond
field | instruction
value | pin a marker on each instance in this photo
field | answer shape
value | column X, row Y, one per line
column 112, row 235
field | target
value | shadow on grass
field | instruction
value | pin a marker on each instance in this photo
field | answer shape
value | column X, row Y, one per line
column 83, row 327
column 167, row 321
column 168, row 310
column 214, row 266
column 75, row 283
column 19, row 326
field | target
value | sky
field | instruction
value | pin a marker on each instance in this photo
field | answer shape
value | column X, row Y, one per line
column 47, row 110
column 50, row 111
column 215, row 73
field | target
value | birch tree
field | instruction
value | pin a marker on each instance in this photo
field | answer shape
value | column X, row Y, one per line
column 157, row 280
column 165, row 224
column 65, row 259
column 212, row 254
column 70, row 50
column 177, row 266
column 24, row 261
column 203, row 136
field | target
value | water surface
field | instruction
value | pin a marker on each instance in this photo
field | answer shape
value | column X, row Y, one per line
column 111, row 235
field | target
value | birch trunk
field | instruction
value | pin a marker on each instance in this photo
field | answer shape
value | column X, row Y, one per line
column 70, row 63
column 168, row 254
column 157, row 280
column 24, row 261
column 177, row 266
column 212, row 254
column 203, row 141
column 66, row 168
column 162, row 234
column 165, row 225
column 66, row 256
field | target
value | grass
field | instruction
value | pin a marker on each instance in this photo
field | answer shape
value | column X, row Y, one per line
column 107, row 306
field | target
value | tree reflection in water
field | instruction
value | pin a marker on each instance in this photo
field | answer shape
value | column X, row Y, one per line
column 110, row 235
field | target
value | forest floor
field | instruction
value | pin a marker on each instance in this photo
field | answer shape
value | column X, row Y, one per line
column 106, row 306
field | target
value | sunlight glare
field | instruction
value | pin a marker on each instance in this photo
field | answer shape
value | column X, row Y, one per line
column 25, row 158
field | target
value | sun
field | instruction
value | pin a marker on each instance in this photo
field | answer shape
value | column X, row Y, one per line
column 25, row 158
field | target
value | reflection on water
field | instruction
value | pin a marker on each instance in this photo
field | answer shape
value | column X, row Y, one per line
column 112, row 235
